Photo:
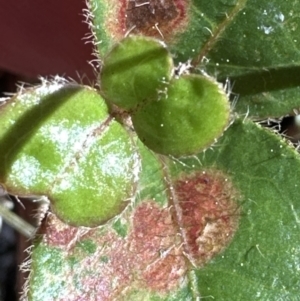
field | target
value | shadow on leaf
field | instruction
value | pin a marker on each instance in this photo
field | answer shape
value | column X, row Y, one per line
column 28, row 124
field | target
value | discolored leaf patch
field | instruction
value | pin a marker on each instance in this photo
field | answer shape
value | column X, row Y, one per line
column 156, row 18
column 161, row 19
column 161, row 247
column 150, row 258
column 207, row 213
column 57, row 233
column 158, row 247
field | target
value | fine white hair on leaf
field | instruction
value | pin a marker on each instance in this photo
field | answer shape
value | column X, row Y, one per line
column 129, row 31
column 91, row 37
column 183, row 68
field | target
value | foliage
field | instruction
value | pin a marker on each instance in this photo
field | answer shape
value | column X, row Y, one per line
column 221, row 223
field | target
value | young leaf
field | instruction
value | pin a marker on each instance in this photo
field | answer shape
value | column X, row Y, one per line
column 189, row 117
column 136, row 69
column 60, row 141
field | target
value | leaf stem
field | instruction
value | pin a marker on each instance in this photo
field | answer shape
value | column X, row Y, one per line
column 16, row 222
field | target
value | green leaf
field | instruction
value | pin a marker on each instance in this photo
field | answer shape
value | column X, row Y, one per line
column 60, row 141
column 189, row 117
column 222, row 224
column 172, row 116
column 207, row 226
column 262, row 262
column 136, row 69
column 258, row 50
column 254, row 44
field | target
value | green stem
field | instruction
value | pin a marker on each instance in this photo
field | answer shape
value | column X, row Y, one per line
column 16, row 222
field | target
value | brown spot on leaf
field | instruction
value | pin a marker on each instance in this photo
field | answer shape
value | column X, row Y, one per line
column 58, row 234
column 110, row 271
column 158, row 248
column 155, row 256
column 151, row 18
column 207, row 213
column 149, row 258
column 155, row 18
